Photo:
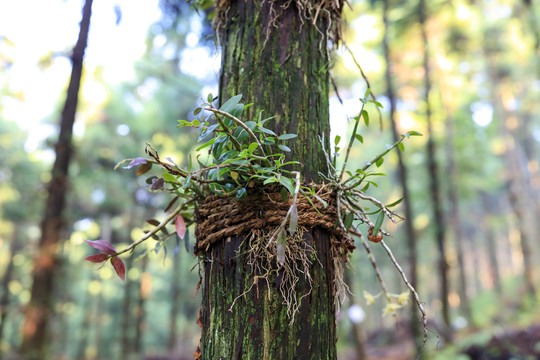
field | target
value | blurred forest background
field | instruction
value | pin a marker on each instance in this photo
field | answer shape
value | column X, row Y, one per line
column 465, row 73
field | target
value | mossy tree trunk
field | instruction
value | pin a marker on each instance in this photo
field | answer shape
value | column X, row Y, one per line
column 277, row 59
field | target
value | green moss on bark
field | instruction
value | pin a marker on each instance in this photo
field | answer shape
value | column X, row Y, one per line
column 279, row 62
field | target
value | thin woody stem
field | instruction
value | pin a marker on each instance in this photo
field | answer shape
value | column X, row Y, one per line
column 160, row 226
column 373, row 263
column 239, row 123
column 412, row 289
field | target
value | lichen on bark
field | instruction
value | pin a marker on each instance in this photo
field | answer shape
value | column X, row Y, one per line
column 275, row 55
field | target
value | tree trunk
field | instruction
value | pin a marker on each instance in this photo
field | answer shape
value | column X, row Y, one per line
column 7, row 277
column 359, row 337
column 278, row 60
column 415, row 324
column 140, row 323
column 40, row 309
column 455, row 219
column 434, row 183
column 175, row 304
column 126, row 339
column 491, row 243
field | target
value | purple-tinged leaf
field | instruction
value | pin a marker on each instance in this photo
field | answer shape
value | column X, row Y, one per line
column 103, row 246
column 157, row 184
column 136, row 162
column 180, row 226
column 119, row 267
column 98, row 258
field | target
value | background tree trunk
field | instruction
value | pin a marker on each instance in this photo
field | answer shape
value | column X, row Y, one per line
column 438, row 220
column 415, row 324
column 454, row 216
column 40, row 309
column 7, row 277
column 283, row 70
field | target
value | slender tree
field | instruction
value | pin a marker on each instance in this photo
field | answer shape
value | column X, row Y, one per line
column 438, row 219
column 274, row 53
column 454, row 215
column 7, row 277
column 415, row 324
column 39, row 309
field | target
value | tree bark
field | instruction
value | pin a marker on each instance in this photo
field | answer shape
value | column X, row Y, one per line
column 7, row 277
column 414, row 323
column 175, row 304
column 40, row 309
column 359, row 337
column 434, row 183
column 278, row 61
column 455, row 219
column 140, row 323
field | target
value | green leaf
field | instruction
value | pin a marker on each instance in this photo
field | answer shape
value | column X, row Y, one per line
column 184, row 123
column 284, row 148
column 359, row 138
column 288, row 183
column 366, row 94
column 348, row 220
column 379, row 162
column 266, row 131
column 284, row 194
column 211, row 142
column 208, row 132
column 252, row 147
column 395, row 203
column 414, row 133
column 210, row 98
column 270, row 180
column 231, row 104
column 197, row 111
column 169, row 177
column 337, row 139
column 241, row 135
column 251, row 124
column 286, row 136
column 321, row 200
column 293, row 221
column 237, row 110
column 378, row 104
column 401, row 147
column 365, row 115
column 378, row 223
column 269, row 141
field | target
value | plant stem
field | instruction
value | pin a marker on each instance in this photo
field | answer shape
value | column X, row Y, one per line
column 161, row 225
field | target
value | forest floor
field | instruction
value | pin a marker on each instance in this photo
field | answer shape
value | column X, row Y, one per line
column 504, row 344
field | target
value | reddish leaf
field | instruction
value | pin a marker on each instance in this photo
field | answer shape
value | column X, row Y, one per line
column 180, row 225
column 97, row 258
column 103, row 246
column 119, row 267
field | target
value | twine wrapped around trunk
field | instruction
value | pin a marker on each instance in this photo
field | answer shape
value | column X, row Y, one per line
column 221, row 217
